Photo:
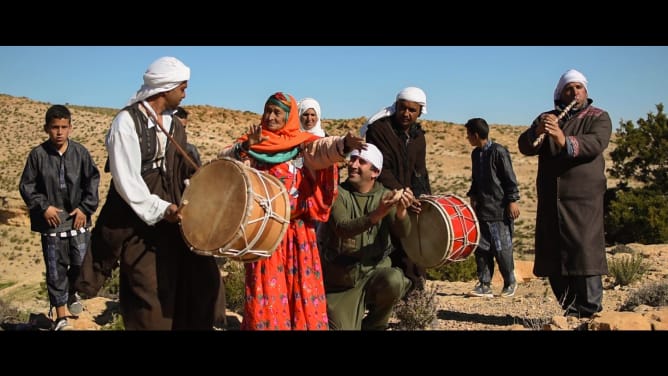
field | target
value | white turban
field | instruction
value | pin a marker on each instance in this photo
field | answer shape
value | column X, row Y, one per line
column 162, row 75
column 371, row 155
column 304, row 105
column 570, row 76
column 410, row 93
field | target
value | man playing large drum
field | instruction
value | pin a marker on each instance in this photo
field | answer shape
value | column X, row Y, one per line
column 356, row 245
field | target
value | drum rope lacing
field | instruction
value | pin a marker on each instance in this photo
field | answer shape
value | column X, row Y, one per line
column 265, row 203
column 465, row 237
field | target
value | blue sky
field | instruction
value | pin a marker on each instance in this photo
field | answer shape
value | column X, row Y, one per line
column 503, row 84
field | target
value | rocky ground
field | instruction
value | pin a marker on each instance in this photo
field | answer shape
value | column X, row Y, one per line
column 532, row 308
column 534, row 304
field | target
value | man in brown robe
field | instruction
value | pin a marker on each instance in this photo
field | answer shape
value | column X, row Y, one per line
column 571, row 182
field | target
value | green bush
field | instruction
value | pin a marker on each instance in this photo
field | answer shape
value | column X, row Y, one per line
column 235, row 286
column 115, row 324
column 627, row 268
column 637, row 216
column 111, row 286
column 654, row 294
column 460, row 271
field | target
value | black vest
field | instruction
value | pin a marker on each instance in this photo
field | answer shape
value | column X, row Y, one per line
column 147, row 138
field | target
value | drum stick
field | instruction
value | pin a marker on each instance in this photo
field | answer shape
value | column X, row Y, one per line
column 563, row 113
column 413, row 201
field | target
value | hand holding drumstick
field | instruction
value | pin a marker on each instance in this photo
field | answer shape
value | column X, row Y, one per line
column 409, row 200
column 402, row 198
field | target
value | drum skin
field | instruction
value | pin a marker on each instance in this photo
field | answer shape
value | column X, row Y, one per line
column 446, row 230
column 225, row 206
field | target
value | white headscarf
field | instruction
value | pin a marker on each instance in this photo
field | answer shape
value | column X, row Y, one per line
column 410, row 93
column 570, row 76
column 162, row 75
column 372, row 155
column 304, row 105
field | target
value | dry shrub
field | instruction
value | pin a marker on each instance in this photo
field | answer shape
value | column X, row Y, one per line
column 654, row 294
column 11, row 315
column 462, row 271
column 418, row 311
column 621, row 248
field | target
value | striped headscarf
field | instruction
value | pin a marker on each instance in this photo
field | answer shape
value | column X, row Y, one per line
column 288, row 137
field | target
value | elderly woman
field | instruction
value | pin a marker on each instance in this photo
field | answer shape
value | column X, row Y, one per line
column 285, row 291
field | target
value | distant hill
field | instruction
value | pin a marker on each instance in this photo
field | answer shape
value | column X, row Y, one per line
column 212, row 128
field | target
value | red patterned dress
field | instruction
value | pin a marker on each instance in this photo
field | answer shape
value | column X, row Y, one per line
column 286, row 291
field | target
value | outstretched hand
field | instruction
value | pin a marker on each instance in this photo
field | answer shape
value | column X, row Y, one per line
column 352, row 142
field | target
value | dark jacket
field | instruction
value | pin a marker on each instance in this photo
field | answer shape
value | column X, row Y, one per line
column 404, row 155
column 569, row 219
column 493, row 182
column 39, row 184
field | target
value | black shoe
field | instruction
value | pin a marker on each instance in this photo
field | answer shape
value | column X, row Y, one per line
column 481, row 290
column 509, row 290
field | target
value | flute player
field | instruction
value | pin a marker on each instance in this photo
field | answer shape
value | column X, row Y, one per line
column 571, row 182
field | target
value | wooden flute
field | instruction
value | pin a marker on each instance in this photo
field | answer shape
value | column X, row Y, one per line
column 563, row 113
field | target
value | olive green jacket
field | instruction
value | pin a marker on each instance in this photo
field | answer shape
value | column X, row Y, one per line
column 349, row 237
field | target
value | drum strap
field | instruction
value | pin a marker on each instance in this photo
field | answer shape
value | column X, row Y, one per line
column 183, row 153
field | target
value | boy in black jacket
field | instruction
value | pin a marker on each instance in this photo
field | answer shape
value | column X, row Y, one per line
column 494, row 194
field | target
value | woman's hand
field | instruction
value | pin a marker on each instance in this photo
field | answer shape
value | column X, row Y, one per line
column 352, row 142
column 254, row 134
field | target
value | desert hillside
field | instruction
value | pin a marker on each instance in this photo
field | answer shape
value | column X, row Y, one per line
column 211, row 128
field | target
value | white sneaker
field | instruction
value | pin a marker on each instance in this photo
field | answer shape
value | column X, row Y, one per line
column 74, row 304
column 62, row 324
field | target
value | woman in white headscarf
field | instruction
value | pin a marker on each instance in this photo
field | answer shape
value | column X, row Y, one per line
column 163, row 285
column 309, row 117
column 571, row 183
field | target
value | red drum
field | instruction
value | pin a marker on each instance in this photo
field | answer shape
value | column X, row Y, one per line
column 234, row 211
column 446, row 230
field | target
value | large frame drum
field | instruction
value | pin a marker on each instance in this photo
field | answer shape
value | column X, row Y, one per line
column 235, row 211
column 446, row 230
